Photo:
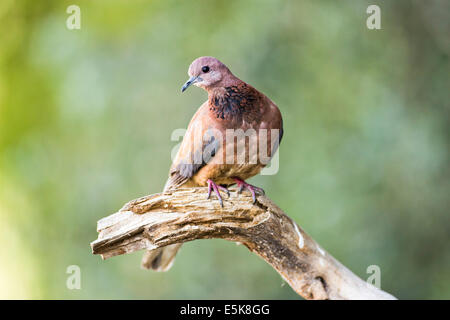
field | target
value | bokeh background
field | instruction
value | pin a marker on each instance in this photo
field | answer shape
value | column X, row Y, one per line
column 86, row 118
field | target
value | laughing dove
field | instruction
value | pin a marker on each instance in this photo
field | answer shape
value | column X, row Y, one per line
column 230, row 138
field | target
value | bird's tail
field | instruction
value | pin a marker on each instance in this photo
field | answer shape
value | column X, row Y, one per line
column 161, row 259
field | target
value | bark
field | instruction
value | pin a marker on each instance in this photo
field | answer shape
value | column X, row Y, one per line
column 184, row 215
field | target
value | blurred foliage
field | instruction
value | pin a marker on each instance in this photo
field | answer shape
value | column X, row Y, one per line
column 86, row 118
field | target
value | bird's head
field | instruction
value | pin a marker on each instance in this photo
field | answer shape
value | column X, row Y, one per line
column 206, row 73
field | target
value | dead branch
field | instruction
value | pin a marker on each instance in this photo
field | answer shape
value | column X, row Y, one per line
column 184, row 215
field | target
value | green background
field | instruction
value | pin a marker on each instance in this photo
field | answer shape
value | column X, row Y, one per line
column 86, row 117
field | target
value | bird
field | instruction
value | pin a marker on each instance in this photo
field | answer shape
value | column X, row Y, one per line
column 207, row 156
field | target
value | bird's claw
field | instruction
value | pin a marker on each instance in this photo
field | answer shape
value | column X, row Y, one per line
column 253, row 190
column 225, row 190
column 241, row 184
column 213, row 186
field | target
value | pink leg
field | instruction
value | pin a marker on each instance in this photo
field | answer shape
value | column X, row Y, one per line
column 244, row 185
column 216, row 188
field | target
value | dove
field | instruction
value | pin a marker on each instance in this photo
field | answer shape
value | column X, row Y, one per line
column 230, row 139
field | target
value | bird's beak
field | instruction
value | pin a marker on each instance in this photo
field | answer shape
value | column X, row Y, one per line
column 188, row 83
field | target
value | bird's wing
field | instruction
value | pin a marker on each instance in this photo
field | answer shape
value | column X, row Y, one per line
column 196, row 150
column 272, row 115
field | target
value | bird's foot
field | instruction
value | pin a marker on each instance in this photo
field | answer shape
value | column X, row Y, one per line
column 213, row 186
column 244, row 185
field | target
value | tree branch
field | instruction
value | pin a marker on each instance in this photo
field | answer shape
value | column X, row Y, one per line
column 184, row 215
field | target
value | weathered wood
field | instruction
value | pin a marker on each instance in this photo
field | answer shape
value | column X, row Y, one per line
column 184, row 215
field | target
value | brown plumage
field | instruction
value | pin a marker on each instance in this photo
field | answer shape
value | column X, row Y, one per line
column 206, row 157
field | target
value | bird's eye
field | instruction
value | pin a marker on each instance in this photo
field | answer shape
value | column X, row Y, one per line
column 205, row 69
